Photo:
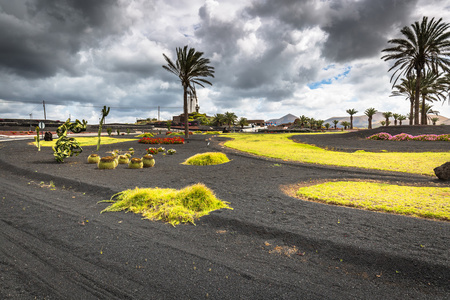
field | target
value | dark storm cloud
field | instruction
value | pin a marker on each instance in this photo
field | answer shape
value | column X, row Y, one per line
column 359, row 29
column 356, row 29
column 39, row 38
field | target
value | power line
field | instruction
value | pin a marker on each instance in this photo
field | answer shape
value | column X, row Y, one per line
column 98, row 106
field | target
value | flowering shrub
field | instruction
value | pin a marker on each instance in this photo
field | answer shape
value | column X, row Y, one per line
column 171, row 151
column 161, row 149
column 152, row 151
column 408, row 137
column 171, row 140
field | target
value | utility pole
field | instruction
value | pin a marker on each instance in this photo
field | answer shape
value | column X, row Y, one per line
column 159, row 112
column 45, row 116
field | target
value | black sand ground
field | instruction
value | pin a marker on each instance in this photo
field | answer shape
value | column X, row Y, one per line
column 55, row 244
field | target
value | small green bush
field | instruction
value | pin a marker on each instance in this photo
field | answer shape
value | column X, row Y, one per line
column 146, row 134
column 206, row 159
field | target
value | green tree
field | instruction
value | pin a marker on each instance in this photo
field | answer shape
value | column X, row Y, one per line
column 426, row 46
column 319, row 124
column 401, row 118
column 407, row 89
column 335, row 123
column 387, row 115
column 395, row 116
column 434, row 120
column 218, row 120
column 369, row 113
column 230, row 119
column 243, row 122
column 303, row 120
column 327, row 126
column 345, row 124
column 351, row 112
column 189, row 67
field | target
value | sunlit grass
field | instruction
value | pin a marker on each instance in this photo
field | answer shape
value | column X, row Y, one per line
column 87, row 141
column 281, row 147
column 170, row 205
column 427, row 202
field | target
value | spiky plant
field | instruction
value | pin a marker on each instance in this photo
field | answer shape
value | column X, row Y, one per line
column 107, row 162
column 105, row 112
column 148, row 161
column 93, row 159
column 135, row 163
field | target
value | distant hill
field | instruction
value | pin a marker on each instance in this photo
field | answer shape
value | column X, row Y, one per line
column 289, row 118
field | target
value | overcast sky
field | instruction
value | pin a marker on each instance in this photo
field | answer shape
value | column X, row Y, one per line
column 316, row 58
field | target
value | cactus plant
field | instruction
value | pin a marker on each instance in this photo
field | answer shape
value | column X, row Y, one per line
column 68, row 146
column 123, row 159
column 148, row 160
column 107, row 162
column 105, row 112
column 135, row 163
column 93, row 159
column 38, row 142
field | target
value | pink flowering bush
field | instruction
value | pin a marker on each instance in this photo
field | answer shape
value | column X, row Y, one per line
column 408, row 137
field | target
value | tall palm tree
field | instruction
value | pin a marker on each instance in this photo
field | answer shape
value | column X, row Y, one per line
column 395, row 116
column 426, row 47
column 230, row 119
column 319, row 124
column 407, row 89
column 303, row 120
column 369, row 113
column 190, row 66
column 351, row 112
column 218, row 120
column 387, row 115
column 432, row 89
column 243, row 122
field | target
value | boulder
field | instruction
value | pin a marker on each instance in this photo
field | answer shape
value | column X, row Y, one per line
column 443, row 172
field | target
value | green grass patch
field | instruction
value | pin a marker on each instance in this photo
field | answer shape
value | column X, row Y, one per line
column 88, row 141
column 169, row 205
column 207, row 159
column 426, row 202
column 281, row 147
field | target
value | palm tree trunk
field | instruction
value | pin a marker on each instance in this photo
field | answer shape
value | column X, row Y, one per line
column 370, row 122
column 424, row 113
column 351, row 122
column 186, row 116
column 411, row 111
column 417, row 96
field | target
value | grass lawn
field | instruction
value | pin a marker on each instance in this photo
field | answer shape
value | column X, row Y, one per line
column 427, row 202
column 87, row 141
column 281, row 147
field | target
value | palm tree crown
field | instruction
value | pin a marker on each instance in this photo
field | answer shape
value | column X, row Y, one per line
column 190, row 66
column 426, row 47
column 369, row 113
column 351, row 112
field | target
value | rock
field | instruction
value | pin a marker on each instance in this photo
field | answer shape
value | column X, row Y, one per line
column 443, row 172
